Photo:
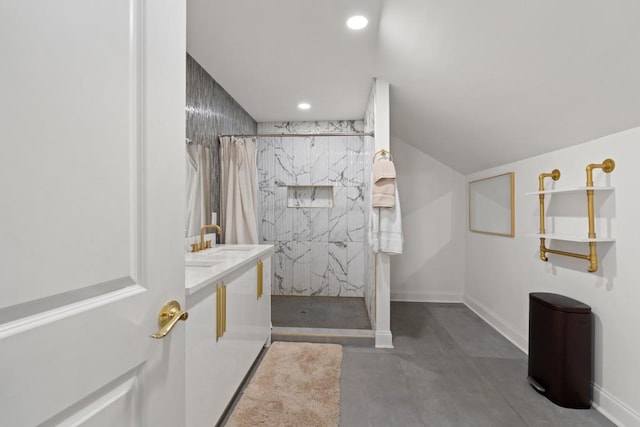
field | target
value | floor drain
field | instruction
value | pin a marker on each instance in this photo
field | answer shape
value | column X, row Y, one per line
column 304, row 311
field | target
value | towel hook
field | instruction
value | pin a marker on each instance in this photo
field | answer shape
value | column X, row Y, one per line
column 383, row 153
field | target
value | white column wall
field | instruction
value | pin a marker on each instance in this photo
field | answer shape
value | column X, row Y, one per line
column 382, row 261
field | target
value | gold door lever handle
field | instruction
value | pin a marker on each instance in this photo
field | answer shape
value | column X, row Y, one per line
column 170, row 314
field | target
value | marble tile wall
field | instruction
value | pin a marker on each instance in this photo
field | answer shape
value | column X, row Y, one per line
column 318, row 251
column 327, row 126
column 211, row 112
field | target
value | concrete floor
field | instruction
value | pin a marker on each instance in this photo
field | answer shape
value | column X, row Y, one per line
column 448, row 368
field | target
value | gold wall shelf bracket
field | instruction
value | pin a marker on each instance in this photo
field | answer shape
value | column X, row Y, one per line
column 607, row 166
column 555, row 175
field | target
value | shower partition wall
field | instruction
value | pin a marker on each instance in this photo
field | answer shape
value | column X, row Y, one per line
column 370, row 297
column 320, row 248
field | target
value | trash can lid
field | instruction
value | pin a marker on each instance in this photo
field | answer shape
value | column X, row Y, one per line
column 560, row 302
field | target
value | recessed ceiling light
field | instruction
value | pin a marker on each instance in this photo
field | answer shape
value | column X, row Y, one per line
column 304, row 106
column 357, row 22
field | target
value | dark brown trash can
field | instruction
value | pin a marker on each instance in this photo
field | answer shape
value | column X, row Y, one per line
column 560, row 349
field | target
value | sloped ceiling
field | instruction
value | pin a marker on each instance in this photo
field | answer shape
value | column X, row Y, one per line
column 473, row 84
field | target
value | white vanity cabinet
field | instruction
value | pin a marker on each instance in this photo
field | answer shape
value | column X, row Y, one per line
column 216, row 366
column 205, row 381
column 263, row 326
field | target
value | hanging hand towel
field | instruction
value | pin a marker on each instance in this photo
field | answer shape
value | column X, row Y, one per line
column 383, row 194
column 384, row 184
column 386, row 229
column 383, row 168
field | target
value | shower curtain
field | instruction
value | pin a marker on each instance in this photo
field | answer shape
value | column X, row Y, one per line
column 198, row 210
column 238, row 190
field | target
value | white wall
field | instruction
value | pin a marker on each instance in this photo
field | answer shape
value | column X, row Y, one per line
column 502, row 271
column 432, row 265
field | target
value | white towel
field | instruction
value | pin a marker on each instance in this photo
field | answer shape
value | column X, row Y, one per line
column 385, row 229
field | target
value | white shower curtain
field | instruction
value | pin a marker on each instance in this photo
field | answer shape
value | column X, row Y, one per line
column 198, row 210
column 238, row 190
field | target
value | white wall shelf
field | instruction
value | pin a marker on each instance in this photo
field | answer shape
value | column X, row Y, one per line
column 607, row 166
column 569, row 190
column 572, row 238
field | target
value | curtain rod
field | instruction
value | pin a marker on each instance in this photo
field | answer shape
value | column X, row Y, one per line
column 257, row 135
column 191, row 142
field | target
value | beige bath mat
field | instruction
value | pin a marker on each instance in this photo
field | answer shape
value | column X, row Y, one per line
column 297, row 384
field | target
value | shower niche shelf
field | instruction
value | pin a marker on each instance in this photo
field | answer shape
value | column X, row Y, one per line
column 591, row 239
column 310, row 196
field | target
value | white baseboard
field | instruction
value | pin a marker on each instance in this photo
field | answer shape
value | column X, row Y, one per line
column 498, row 323
column 384, row 339
column 611, row 407
column 605, row 403
column 425, row 296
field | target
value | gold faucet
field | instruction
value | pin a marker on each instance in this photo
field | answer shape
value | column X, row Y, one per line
column 204, row 245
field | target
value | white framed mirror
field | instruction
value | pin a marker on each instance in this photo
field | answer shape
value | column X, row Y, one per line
column 491, row 205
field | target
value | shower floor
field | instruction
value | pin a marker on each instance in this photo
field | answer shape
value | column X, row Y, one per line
column 319, row 312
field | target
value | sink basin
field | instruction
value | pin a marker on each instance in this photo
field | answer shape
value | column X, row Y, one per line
column 235, row 248
column 202, row 262
column 215, row 255
column 206, row 258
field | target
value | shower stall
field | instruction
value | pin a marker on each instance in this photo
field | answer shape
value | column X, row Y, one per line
column 313, row 206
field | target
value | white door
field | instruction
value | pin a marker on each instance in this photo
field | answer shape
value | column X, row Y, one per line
column 91, row 211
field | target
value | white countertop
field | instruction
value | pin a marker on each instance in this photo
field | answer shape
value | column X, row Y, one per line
column 228, row 258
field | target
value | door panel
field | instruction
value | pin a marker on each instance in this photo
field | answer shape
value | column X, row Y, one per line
column 69, row 122
column 243, row 295
column 51, row 364
column 264, row 324
column 91, row 219
column 205, row 366
column 253, row 317
column 113, row 406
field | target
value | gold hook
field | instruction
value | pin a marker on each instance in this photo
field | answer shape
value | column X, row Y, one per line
column 383, row 153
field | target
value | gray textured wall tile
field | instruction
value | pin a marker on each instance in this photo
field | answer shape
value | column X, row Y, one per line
column 211, row 112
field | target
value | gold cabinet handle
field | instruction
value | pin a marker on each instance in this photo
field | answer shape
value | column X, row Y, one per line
column 170, row 314
column 218, row 312
column 224, row 309
column 259, row 285
column 221, row 310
